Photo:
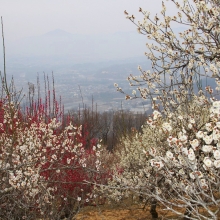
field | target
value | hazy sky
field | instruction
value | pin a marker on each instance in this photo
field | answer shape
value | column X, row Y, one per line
column 24, row 18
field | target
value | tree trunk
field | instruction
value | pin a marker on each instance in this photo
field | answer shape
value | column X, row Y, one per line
column 153, row 210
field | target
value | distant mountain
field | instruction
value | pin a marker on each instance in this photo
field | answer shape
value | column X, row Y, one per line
column 57, row 33
column 64, row 47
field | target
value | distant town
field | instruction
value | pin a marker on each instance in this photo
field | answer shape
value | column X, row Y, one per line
column 85, row 67
column 86, row 85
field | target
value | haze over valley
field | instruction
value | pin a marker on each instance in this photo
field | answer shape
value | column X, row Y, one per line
column 88, row 45
column 91, row 64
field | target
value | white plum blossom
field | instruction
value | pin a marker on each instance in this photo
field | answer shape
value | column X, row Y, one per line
column 199, row 174
column 157, row 164
column 182, row 172
column 192, row 121
column 208, row 139
column 183, row 138
column 192, row 176
column 218, row 124
column 190, row 126
column 217, row 163
column 54, row 156
column 191, row 154
column 169, row 155
column 215, row 107
column 208, row 162
column 216, row 134
column 180, row 117
column 199, row 134
column 216, row 154
column 216, row 104
column 167, row 126
column 171, row 140
column 208, row 126
column 23, row 147
column 214, row 110
column 207, row 148
column 156, row 115
column 134, row 92
column 194, row 143
column 184, row 151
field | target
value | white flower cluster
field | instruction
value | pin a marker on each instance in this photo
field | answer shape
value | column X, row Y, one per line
column 171, row 54
column 187, row 158
column 193, row 158
column 181, row 145
column 32, row 154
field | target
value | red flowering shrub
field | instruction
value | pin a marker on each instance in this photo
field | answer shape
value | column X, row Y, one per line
column 66, row 168
column 45, row 170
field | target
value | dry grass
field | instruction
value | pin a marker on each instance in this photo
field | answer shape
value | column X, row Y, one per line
column 126, row 210
column 131, row 213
